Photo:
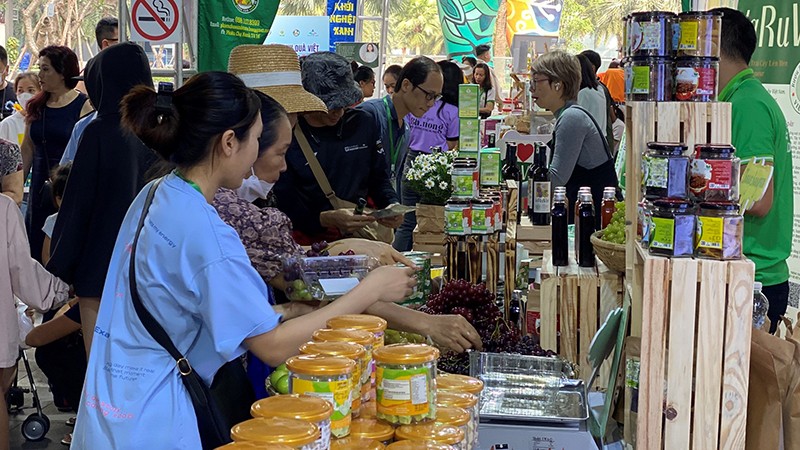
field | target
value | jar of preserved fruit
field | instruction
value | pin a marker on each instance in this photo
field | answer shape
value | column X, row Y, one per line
column 464, row 176
column 459, row 418
column 356, row 443
column 719, row 231
column 653, row 33
column 297, row 434
column 441, row 434
column 458, row 217
column 327, row 377
column 714, row 174
column 482, row 214
column 418, row 445
column 406, row 383
column 696, row 79
column 301, row 407
column 373, row 324
column 372, row 429
column 348, row 350
column 459, row 383
column 362, row 338
column 700, row 33
column 665, row 171
column 649, row 79
column 465, row 401
column 672, row 228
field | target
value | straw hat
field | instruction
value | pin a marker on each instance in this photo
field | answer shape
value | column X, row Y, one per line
column 274, row 70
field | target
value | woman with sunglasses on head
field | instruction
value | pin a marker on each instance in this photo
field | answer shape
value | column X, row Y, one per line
column 177, row 261
column 581, row 156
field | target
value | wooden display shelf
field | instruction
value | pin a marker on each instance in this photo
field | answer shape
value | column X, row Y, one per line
column 574, row 302
column 430, row 243
column 536, row 239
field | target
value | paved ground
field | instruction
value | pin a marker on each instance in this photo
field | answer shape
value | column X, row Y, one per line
column 58, row 428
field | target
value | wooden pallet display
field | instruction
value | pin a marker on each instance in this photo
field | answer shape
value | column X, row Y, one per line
column 574, row 302
column 469, row 257
column 431, row 243
column 535, row 238
column 510, row 250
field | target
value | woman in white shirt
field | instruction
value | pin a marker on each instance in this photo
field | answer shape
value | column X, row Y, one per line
column 481, row 76
column 12, row 129
column 591, row 97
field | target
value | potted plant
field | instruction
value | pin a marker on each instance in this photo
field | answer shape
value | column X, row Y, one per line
column 429, row 175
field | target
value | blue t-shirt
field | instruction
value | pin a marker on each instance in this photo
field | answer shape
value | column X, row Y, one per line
column 75, row 138
column 194, row 276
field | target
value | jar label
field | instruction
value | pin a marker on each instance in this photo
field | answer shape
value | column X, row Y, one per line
column 404, row 392
column 709, row 232
column 635, row 37
column 541, row 197
column 707, row 82
column 663, row 233
column 629, row 79
column 457, row 220
column 337, row 393
column 462, row 185
column 651, row 36
column 684, row 235
column 711, row 175
column 641, row 80
column 479, row 220
column 688, row 35
column 656, row 174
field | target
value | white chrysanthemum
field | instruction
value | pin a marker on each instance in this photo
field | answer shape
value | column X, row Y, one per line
column 443, row 185
column 429, row 184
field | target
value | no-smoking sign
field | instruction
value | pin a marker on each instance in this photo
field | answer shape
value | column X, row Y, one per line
column 156, row 21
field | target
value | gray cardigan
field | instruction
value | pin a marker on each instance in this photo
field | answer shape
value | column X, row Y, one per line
column 577, row 141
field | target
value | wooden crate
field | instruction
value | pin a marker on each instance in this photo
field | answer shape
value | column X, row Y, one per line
column 536, row 239
column 430, row 243
column 475, row 258
column 510, row 251
column 574, row 302
column 696, row 328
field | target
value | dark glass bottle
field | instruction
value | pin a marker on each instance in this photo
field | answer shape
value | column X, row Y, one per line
column 491, row 140
column 362, row 203
column 510, row 168
column 587, row 227
column 559, row 227
column 539, row 188
column 515, row 308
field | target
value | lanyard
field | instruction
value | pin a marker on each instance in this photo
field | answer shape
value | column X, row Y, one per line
column 394, row 150
column 191, row 183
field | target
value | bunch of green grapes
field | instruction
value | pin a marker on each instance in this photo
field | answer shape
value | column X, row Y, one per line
column 615, row 231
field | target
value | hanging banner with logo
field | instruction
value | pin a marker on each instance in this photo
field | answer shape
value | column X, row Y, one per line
column 776, row 62
column 225, row 24
column 365, row 54
column 533, row 17
column 343, row 19
column 305, row 34
column 467, row 24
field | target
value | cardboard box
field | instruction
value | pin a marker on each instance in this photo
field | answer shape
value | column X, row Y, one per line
column 490, row 167
column 469, row 139
column 469, row 101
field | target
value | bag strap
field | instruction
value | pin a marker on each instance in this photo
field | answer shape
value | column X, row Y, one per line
column 316, row 168
column 152, row 326
column 599, row 131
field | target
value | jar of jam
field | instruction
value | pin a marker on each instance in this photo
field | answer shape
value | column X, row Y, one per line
column 649, row 79
column 714, row 174
column 458, row 217
column 720, row 227
column 665, row 171
column 482, row 216
column 374, row 324
column 652, row 33
column 672, row 229
column 696, row 79
column 464, row 177
column 700, row 33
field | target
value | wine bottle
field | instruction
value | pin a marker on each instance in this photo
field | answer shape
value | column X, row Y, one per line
column 586, row 220
column 510, row 169
column 539, row 188
column 560, row 240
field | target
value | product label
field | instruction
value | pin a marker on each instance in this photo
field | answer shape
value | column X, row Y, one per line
column 462, row 185
column 651, row 36
column 684, row 235
column 629, row 79
column 635, row 37
column 490, row 169
column 337, row 393
column 541, row 197
column 709, row 232
column 404, row 392
column 688, row 36
column 641, row 80
column 711, row 175
column 457, row 220
column 480, row 220
column 707, row 83
column 695, row 81
column 656, row 173
column 663, row 233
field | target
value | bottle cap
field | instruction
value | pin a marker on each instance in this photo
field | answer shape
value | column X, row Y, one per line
column 559, row 196
column 757, row 286
column 586, row 198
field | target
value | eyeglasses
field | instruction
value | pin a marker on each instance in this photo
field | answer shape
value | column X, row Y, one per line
column 429, row 96
column 534, row 81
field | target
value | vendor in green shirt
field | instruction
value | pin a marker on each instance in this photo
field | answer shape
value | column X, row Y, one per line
column 759, row 134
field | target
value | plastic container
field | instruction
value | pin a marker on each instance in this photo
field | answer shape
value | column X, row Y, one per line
column 301, row 407
column 652, row 33
column 324, row 278
column 253, row 446
column 464, row 177
column 347, row 350
column 406, row 383
column 423, row 288
column 361, row 337
column 645, row 211
column 760, row 306
column 356, row 443
column 700, row 33
column 328, row 377
column 665, row 171
column 672, row 230
column 696, row 79
column 482, row 214
column 459, row 418
column 719, row 231
column 465, row 401
column 649, row 79
column 714, row 174
column 441, row 434
column 418, row 445
column 373, row 324
column 369, row 410
column 458, row 217
column 293, row 433
column 458, row 383
column 372, row 429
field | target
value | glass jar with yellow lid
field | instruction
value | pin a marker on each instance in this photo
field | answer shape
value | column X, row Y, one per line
column 327, row 377
column 418, row 445
column 297, row 434
column 463, row 400
column 459, row 383
column 356, row 443
column 459, row 418
column 364, row 339
column 301, row 407
column 349, row 350
column 406, row 383
column 441, row 434
column 369, row 410
column 373, row 324
column 253, row 446
column 372, row 429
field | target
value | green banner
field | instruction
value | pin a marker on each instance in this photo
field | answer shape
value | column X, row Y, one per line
column 225, row 24
column 778, row 46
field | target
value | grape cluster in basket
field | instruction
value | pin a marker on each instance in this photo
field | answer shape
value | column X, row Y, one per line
column 615, row 231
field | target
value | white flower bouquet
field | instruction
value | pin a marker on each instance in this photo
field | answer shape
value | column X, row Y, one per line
column 429, row 175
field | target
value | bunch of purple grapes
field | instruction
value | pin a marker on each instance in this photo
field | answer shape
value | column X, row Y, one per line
column 318, row 249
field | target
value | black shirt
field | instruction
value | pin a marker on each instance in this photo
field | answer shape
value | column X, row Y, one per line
column 9, row 98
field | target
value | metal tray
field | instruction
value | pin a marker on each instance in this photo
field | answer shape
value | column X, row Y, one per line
column 536, row 404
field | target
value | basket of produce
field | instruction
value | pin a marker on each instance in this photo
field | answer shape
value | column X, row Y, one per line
column 609, row 244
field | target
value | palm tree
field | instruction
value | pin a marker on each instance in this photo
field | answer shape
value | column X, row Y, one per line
column 416, row 25
column 608, row 14
column 302, row 8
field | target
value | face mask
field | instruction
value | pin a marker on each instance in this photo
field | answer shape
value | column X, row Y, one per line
column 253, row 188
column 23, row 99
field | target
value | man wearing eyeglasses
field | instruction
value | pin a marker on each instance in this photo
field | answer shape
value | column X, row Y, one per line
column 418, row 87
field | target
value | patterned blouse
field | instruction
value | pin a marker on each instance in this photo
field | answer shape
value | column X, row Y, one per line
column 10, row 158
column 265, row 232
